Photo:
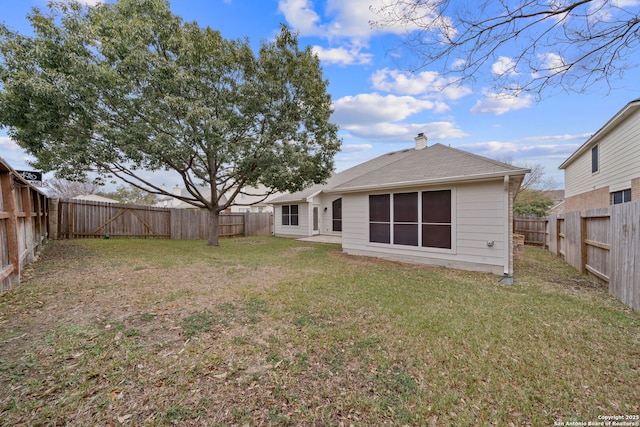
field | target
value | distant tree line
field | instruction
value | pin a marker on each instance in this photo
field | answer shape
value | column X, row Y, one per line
column 66, row 189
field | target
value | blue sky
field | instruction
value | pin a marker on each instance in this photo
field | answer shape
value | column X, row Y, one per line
column 378, row 106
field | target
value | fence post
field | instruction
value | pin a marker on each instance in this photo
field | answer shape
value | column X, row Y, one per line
column 7, row 184
column 558, row 237
column 583, row 244
column 53, row 218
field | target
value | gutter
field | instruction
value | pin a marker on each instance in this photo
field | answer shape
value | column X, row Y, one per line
column 507, row 226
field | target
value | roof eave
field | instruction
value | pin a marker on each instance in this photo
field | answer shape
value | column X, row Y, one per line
column 312, row 195
column 446, row 180
column 285, row 201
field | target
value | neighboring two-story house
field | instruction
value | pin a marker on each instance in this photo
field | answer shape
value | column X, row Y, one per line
column 605, row 170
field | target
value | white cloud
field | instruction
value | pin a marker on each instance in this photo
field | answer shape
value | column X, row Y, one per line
column 516, row 149
column 342, row 55
column 373, row 107
column 300, row 15
column 458, row 64
column 498, row 104
column 504, row 66
column 8, row 144
column 563, row 137
column 429, row 83
column 346, row 18
column 625, row 3
column 549, row 63
column 351, row 18
column 87, row 2
column 395, row 132
column 356, row 148
column 494, row 147
column 15, row 156
column 552, row 148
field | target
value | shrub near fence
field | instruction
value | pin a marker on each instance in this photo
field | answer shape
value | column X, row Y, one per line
column 602, row 242
column 23, row 224
column 88, row 219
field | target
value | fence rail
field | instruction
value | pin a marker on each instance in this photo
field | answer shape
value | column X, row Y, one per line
column 604, row 243
column 79, row 219
column 23, row 224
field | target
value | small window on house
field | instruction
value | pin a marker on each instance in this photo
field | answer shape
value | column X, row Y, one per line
column 290, row 215
column 595, row 164
column 622, row 196
column 336, row 210
column 380, row 218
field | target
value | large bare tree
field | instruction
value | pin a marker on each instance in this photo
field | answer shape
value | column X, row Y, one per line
column 65, row 189
column 524, row 45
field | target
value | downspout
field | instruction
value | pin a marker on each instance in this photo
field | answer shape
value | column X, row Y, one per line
column 507, row 226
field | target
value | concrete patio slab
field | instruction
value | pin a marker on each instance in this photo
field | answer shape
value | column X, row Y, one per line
column 320, row 238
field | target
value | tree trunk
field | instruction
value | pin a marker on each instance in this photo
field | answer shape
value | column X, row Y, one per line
column 214, row 228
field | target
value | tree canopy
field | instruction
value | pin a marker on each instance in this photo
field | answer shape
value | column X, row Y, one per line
column 125, row 88
column 532, row 203
column 525, row 45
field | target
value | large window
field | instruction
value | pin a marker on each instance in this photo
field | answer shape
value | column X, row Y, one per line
column 290, row 215
column 380, row 218
column 622, row 196
column 411, row 219
column 595, row 163
column 436, row 219
column 405, row 219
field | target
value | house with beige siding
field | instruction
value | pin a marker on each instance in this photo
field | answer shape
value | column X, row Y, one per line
column 605, row 170
column 428, row 204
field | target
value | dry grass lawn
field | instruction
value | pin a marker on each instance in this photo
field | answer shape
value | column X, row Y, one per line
column 269, row 331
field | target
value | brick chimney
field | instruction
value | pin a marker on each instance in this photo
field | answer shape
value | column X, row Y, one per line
column 421, row 141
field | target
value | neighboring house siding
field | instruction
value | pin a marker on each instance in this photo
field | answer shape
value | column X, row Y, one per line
column 300, row 230
column 635, row 189
column 599, row 198
column 619, row 165
column 478, row 217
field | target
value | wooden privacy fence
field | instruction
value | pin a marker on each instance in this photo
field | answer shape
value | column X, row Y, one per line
column 604, row 243
column 23, row 224
column 533, row 229
column 79, row 219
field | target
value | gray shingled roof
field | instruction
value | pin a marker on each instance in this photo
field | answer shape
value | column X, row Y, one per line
column 344, row 176
column 434, row 164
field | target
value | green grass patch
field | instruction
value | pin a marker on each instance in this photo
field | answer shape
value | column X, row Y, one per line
column 272, row 331
column 198, row 323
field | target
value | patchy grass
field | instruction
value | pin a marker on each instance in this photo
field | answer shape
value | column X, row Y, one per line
column 273, row 331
